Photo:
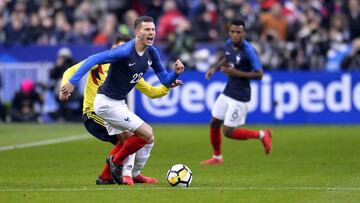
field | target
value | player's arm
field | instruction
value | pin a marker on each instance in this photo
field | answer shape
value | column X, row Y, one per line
column 151, row 91
column 100, row 58
column 255, row 74
column 231, row 71
column 215, row 67
column 155, row 92
column 69, row 73
column 166, row 78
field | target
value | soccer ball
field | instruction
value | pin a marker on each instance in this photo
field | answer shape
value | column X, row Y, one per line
column 179, row 175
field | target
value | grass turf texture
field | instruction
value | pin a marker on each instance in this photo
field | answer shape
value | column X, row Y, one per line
column 308, row 164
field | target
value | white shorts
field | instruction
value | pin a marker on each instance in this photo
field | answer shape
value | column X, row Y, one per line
column 117, row 116
column 231, row 111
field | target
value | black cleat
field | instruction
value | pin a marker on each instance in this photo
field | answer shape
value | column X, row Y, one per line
column 100, row 181
column 116, row 170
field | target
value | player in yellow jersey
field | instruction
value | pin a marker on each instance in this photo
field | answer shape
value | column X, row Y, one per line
column 98, row 128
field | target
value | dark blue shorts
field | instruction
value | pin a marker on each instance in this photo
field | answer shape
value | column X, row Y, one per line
column 97, row 129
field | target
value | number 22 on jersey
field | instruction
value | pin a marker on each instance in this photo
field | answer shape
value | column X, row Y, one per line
column 136, row 77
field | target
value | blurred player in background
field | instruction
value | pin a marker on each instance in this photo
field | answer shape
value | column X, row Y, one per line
column 95, row 125
column 129, row 63
column 241, row 64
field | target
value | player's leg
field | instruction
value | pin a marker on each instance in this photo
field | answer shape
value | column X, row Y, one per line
column 131, row 145
column 135, row 162
column 120, row 136
column 142, row 135
column 141, row 158
column 129, row 161
column 117, row 114
column 245, row 134
column 96, row 127
column 127, row 169
column 236, row 116
column 218, row 115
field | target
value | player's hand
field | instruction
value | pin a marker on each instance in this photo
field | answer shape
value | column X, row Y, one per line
column 176, row 83
column 209, row 73
column 229, row 70
column 179, row 67
column 65, row 91
column 63, row 97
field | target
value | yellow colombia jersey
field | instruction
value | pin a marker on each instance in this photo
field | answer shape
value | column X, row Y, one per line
column 96, row 78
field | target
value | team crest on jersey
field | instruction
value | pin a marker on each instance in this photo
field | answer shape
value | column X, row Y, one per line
column 238, row 58
column 149, row 63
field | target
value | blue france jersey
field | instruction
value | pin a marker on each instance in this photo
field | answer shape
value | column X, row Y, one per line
column 126, row 69
column 244, row 59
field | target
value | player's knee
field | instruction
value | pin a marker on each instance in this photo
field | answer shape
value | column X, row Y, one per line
column 151, row 140
column 148, row 135
column 227, row 131
column 215, row 123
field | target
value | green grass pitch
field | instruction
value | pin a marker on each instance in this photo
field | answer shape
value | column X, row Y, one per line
column 307, row 164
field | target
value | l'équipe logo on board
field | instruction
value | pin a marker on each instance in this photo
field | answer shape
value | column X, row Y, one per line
column 279, row 95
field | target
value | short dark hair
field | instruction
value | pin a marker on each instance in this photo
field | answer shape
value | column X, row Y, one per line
column 238, row 22
column 121, row 37
column 141, row 19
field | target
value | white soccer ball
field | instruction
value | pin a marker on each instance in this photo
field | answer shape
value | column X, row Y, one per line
column 179, row 175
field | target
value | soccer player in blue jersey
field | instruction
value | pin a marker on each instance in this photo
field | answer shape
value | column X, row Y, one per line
column 129, row 63
column 96, row 126
column 241, row 64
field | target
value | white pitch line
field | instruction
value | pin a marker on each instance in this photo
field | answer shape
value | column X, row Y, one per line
column 190, row 188
column 45, row 142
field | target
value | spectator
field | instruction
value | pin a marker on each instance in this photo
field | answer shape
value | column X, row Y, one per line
column 353, row 15
column 169, row 21
column 181, row 44
column 239, row 9
column 2, row 29
column 338, row 38
column 154, row 8
column 47, row 36
column 85, row 11
column 16, row 31
column 46, row 9
column 83, row 31
column 311, row 42
column 273, row 21
column 127, row 26
column 35, row 30
column 24, row 102
column 339, row 28
column 352, row 61
column 271, row 52
column 62, row 29
column 69, row 10
column 203, row 24
column 107, row 31
column 69, row 110
column 117, row 7
column 63, row 61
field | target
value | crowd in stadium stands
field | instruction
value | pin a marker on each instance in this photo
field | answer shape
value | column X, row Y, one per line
column 288, row 34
